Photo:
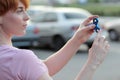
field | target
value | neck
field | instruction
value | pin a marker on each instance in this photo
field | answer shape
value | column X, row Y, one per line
column 5, row 42
column 5, row 39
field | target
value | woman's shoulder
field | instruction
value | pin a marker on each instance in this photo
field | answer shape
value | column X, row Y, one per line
column 24, row 53
column 8, row 48
column 16, row 52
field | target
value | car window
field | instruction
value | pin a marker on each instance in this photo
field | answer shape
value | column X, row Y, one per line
column 35, row 15
column 74, row 15
column 50, row 17
column 44, row 17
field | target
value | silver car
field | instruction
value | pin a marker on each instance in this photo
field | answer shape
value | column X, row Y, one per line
column 113, row 28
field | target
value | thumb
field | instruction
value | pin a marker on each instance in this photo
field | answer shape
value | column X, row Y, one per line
column 89, row 27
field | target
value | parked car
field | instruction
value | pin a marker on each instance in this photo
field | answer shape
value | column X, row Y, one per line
column 57, row 25
column 113, row 28
column 30, row 39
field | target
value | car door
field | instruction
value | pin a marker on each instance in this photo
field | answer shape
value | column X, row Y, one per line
column 48, row 23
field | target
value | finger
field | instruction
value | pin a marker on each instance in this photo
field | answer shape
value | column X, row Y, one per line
column 97, row 38
column 87, row 21
column 107, row 46
column 102, row 39
column 89, row 27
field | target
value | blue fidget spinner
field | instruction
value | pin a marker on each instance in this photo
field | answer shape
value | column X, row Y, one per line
column 95, row 21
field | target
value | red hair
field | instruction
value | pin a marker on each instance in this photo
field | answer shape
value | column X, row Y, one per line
column 6, row 5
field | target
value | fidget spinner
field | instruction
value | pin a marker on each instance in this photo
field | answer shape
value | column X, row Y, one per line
column 95, row 21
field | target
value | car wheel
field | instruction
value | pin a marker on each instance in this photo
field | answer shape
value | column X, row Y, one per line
column 113, row 35
column 58, row 42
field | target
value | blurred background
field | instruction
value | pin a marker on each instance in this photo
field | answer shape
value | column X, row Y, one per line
column 53, row 23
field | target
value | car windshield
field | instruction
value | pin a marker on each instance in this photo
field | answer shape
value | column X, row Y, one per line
column 75, row 15
column 44, row 17
column 35, row 16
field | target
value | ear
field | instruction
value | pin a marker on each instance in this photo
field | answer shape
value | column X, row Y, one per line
column 0, row 19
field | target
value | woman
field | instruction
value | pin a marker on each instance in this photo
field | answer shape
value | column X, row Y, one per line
column 21, row 64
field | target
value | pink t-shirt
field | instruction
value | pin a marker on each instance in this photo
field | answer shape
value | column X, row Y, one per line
column 20, row 64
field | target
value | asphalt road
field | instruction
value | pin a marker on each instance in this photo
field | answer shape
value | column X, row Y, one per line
column 109, row 70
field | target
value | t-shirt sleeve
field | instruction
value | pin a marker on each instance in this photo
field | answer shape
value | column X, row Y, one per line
column 30, row 66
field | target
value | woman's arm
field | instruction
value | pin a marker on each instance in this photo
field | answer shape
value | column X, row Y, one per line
column 45, row 76
column 57, row 61
column 96, row 56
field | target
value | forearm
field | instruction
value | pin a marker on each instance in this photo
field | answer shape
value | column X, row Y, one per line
column 57, row 61
column 86, row 72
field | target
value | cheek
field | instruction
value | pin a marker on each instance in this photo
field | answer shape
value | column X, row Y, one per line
column 12, row 23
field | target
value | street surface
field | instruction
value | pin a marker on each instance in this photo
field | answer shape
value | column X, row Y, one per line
column 109, row 70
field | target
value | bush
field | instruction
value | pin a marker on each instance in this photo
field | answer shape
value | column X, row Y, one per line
column 98, row 9
column 94, row 1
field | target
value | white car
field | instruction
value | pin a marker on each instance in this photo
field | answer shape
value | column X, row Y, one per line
column 113, row 27
column 57, row 25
